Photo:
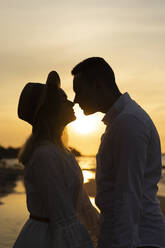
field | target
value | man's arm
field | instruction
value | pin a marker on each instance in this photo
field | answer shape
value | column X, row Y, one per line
column 121, row 200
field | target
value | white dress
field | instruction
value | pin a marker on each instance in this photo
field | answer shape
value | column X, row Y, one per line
column 54, row 190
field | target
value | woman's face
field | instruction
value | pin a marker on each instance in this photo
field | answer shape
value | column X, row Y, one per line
column 66, row 113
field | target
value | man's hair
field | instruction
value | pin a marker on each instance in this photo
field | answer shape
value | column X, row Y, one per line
column 89, row 63
column 96, row 68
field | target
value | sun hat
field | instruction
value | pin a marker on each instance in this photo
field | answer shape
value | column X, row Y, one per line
column 34, row 95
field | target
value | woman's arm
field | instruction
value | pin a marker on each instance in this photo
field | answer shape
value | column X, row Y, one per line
column 89, row 215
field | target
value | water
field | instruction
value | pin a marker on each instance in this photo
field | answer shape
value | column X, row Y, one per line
column 13, row 213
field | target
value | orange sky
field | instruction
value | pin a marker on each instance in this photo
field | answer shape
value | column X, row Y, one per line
column 39, row 36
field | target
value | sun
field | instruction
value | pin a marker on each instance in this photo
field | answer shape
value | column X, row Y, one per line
column 84, row 124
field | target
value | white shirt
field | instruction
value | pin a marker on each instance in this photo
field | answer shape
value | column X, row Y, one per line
column 128, row 170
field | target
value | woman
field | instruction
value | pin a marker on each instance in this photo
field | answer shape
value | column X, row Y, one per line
column 56, row 199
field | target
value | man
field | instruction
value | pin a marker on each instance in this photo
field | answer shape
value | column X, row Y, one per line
column 128, row 161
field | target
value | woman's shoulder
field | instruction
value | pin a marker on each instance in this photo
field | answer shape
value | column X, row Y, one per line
column 49, row 150
column 46, row 149
column 47, row 158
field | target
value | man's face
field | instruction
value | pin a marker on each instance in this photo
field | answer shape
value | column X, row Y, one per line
column 85, row 94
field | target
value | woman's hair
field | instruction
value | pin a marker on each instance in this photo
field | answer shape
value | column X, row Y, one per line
column 46, row 127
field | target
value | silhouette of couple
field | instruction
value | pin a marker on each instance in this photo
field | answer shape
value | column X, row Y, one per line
column 127, row 173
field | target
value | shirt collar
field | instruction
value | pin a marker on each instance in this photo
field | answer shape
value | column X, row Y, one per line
column 116, row 108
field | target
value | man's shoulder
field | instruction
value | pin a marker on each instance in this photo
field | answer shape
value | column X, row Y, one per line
column 134, row 114
column 125, row 118
column 131, row 124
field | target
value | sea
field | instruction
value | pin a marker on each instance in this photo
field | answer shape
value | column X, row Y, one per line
column 13, row 212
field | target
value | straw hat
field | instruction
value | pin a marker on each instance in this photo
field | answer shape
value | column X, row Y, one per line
column 34, row 95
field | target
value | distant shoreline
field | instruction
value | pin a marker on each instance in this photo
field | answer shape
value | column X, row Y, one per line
column 12, row 153
column 81, row 155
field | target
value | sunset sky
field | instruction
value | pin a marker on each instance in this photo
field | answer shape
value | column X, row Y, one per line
column 40, row 36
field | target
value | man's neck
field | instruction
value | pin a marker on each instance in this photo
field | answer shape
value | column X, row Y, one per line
column 110, row 101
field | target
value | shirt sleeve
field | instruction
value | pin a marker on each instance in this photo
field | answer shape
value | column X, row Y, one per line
column 125, row 153
column 49, row 179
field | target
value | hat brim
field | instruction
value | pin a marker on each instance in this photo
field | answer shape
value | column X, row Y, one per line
column 34, row 95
